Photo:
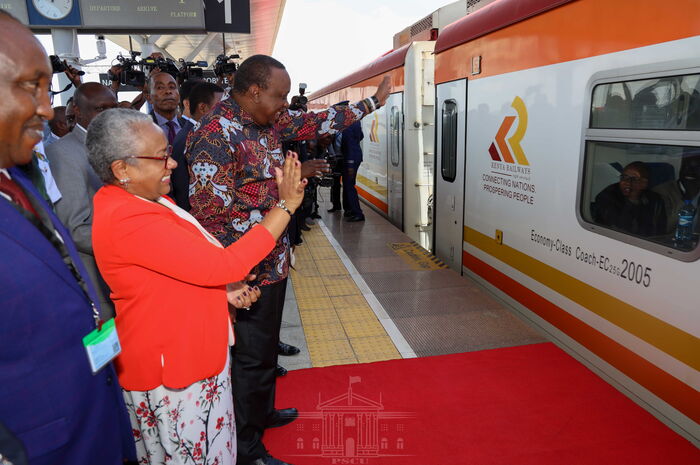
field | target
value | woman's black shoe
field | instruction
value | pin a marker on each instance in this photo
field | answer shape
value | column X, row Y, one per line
column 333, row 210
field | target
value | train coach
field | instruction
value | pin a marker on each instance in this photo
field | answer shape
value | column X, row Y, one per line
column 545, row 149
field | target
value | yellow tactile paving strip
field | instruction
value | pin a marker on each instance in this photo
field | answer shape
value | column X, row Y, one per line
column 378, row 188
column 339, row 325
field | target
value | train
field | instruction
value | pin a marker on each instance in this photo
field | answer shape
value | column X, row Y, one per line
column 508, row 131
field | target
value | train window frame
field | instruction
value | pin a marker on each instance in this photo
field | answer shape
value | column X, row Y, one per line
column 649, row 137
column 451, row 175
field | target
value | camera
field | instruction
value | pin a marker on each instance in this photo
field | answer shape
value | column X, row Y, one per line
column 132, row 73
column 191, row 69
column 166, row 65
column 59, row 66
column 223, row 66
column 325, row 152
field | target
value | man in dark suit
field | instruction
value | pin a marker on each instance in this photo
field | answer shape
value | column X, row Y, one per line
column 203, row 97
column 164, row 96
column 352, row 158
column 49, row 397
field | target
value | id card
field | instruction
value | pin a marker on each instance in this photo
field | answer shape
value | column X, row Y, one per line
column 102, row 345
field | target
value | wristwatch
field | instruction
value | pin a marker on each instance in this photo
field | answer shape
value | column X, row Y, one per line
column 283, row 205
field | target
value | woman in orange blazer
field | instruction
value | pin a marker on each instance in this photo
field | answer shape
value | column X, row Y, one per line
column 171, row 283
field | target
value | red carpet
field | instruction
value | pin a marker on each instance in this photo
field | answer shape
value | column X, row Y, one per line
column 517, row 406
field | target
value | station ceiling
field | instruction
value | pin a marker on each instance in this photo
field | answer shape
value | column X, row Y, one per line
column 265, row 19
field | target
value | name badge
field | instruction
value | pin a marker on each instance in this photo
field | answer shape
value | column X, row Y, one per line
column 102, row 345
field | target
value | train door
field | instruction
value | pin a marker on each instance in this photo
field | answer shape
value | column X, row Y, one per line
column 449, row 180
column 394, row 115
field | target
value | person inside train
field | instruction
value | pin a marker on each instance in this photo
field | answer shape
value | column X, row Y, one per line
column 676, row 191
column 172, row 282
column 629, row 205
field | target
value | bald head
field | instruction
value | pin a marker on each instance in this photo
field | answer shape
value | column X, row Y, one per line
column 91, row 99
column 25, row 76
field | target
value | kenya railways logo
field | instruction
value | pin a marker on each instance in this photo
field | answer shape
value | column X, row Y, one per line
column 374, row 132
column 506, row 155
column 510, row 173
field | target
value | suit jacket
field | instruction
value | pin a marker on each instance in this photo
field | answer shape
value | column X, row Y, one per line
column 180, row 178
column 78, row 183
column 169, row 286
column 180, row 121
column 350, row 143
column 49, row 397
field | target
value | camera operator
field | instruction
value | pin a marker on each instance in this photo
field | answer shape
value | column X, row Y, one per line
column 225, row 71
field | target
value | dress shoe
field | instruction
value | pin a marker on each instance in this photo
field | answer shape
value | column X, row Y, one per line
column 347, row 213
column 333, row 210
column 286, row 349
column 269, row 460
column 354, row 219
column 315, row 216
column 303, row 227
column 282, row 417
column 280, row 371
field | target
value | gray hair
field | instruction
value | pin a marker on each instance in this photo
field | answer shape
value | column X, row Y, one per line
column 111, row 137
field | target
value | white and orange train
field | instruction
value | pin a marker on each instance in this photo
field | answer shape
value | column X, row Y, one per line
column 494, row 145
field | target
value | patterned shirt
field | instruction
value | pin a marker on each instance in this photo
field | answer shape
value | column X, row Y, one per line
column 232, row 179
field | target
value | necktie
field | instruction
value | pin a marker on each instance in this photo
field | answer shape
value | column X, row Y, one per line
column 12, row 189
column 171, row 132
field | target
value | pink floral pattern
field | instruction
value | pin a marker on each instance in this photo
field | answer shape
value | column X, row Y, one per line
column 191, row 426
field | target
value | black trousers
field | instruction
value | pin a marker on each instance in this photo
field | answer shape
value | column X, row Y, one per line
column 335, row 192
column 253, row 369
column 350, row 199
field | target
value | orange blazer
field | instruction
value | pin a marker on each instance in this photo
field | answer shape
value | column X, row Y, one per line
column 169, row 289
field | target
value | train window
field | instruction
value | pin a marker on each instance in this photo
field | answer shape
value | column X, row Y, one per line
column 394, row 134
column 671, row 102
column 448, row 160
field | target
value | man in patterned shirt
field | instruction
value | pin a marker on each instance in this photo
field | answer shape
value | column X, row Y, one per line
column 232, row 157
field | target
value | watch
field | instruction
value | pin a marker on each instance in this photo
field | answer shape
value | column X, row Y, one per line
column 53, row 9
column 283, row 205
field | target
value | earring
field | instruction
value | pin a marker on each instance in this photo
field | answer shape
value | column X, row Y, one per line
column 124, row 181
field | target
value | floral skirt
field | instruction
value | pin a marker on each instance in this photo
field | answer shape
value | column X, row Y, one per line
column 190, row 426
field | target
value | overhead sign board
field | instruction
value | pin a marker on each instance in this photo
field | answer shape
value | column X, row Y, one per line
column 17, row 8
column 231, row 16
column 142, row 14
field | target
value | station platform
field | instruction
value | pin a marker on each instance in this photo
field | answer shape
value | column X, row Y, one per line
column 364, row 292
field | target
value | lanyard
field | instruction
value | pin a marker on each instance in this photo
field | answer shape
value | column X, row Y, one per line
column 57, row 241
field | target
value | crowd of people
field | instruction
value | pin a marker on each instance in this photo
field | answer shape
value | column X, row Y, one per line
column 145, row 261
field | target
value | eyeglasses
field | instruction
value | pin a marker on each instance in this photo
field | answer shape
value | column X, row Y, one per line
column 164, row 158
column 631, row 179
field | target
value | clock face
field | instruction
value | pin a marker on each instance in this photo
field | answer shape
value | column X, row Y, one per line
column 53, row 9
